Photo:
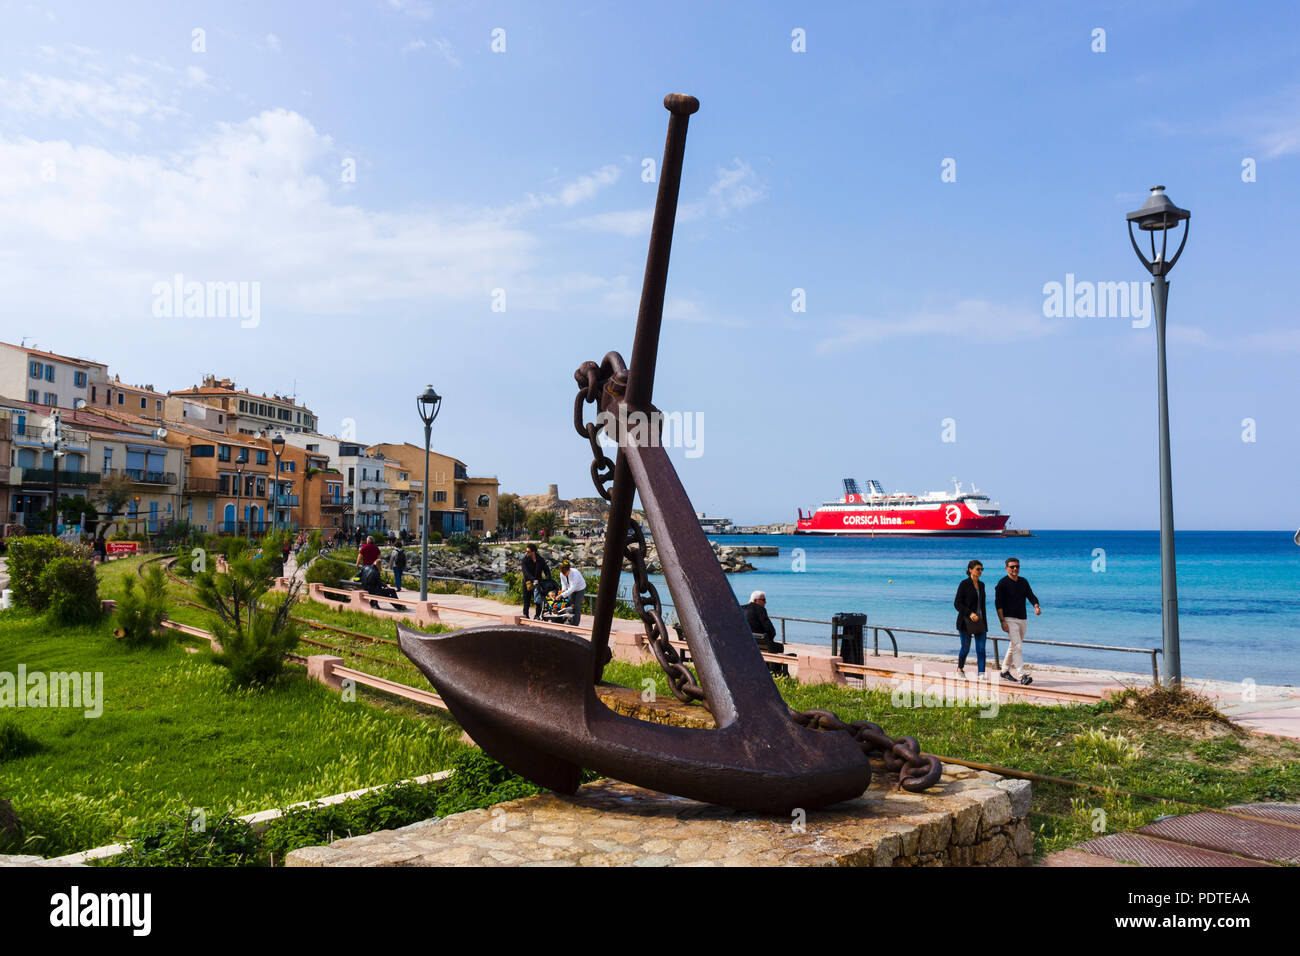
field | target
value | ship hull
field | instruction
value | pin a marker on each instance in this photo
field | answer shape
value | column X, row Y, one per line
column 946, row 521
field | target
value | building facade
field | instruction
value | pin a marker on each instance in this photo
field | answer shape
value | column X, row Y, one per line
column 247, row 413
column 46, row 378
column 457, row 502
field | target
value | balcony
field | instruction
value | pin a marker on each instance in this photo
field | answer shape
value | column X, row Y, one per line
column 335, row 501
column 45, row 476
column 201, row 486
column 283, row 500
column 143, row 477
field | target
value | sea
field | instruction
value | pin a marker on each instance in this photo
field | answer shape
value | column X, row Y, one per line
column 1238, row 594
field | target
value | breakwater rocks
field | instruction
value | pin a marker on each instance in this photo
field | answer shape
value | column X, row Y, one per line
column 493, row 561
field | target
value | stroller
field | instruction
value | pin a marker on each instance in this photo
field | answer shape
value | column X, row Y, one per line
column 555, row 608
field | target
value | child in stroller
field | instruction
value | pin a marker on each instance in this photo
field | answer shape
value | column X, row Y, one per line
column 555, row 607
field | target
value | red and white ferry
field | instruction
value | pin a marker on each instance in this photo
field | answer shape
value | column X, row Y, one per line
column 954, row 512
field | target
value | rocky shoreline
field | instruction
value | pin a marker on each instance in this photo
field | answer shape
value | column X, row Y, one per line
column 493, row 561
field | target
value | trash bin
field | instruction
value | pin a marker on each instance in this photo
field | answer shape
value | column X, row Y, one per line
column 846, row 636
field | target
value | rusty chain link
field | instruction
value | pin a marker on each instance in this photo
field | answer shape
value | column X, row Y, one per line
column 612, row 374
column 916, row 771
column 680, row 679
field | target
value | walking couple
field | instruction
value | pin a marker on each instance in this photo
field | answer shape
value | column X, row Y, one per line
column 1010, row 598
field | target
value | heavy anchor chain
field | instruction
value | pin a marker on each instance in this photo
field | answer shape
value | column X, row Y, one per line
column 612, row 373
column 916, row 771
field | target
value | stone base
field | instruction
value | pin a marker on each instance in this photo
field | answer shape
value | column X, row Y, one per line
column 970, row 818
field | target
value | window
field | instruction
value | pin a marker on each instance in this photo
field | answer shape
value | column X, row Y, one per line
column 49, row 373
column 209, row 510
column 94, row 396
column 201, row 451
column 21, row 427
column 33, row 396
column 223, row 453
column 108, row 460
column 243, row 405
column 288, row 466
column 483, row 501
column 79, row 379
column 261, row 458
column 51, row 398
column 35, row 369
column 159, row 403
column 143, row 403
column 121, row 399
column 440, row 496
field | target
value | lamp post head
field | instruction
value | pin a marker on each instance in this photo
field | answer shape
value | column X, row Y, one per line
column 428, row 403
column 1158, row 215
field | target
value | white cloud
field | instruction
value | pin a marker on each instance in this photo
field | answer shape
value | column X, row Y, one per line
column 419, row 9
column 196, row 76
column 272, row 43
column 570, row 194
column 442, row 45
column 972, row 319
column 248, row 201
column 734, row 187
column 114, row 104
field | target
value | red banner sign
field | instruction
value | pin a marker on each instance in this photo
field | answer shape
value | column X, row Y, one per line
column 122, row 547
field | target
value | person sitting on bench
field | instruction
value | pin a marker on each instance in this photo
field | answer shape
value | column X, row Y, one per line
column 764, row 630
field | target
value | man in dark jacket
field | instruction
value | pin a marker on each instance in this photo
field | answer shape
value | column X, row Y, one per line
column 764, row 631
column 1009, row 599
column 534, row 571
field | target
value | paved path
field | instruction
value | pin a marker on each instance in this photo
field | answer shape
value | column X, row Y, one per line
column 1261, row 708
column 1260, row 834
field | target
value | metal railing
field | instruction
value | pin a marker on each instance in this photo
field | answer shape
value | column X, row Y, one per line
column 45, row 476
column 142, row 476
column 625, row 594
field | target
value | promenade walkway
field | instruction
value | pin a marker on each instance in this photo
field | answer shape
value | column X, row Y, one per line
column 1273, row 709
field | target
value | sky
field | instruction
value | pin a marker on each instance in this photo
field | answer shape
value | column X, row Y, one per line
column 874, row 204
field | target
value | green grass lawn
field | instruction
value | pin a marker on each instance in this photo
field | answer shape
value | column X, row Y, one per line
column 1187, row 763
column 174, row 733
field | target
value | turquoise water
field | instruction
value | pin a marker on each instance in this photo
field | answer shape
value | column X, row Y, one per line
column 1238, row 594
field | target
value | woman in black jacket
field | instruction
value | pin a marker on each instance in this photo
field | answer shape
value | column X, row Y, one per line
column 972, row 619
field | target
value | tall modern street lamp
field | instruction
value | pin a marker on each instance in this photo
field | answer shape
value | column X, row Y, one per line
column 277, row 448
column 1159, row 215
column 428, row 403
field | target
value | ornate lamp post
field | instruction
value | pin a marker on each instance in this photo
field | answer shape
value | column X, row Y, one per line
column 54, row 438
column 277, row 448
column 428, row 404
column 1159, row 215
column 240, row 462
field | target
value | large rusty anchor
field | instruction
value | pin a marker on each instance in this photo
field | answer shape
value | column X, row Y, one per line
column 527, row 695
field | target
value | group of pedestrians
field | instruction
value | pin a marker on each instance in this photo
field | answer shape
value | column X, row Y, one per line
column 1011, row 598
column 562, row 599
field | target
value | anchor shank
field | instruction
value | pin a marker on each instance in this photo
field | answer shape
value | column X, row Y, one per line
column 641, row 374
column 731, row 669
